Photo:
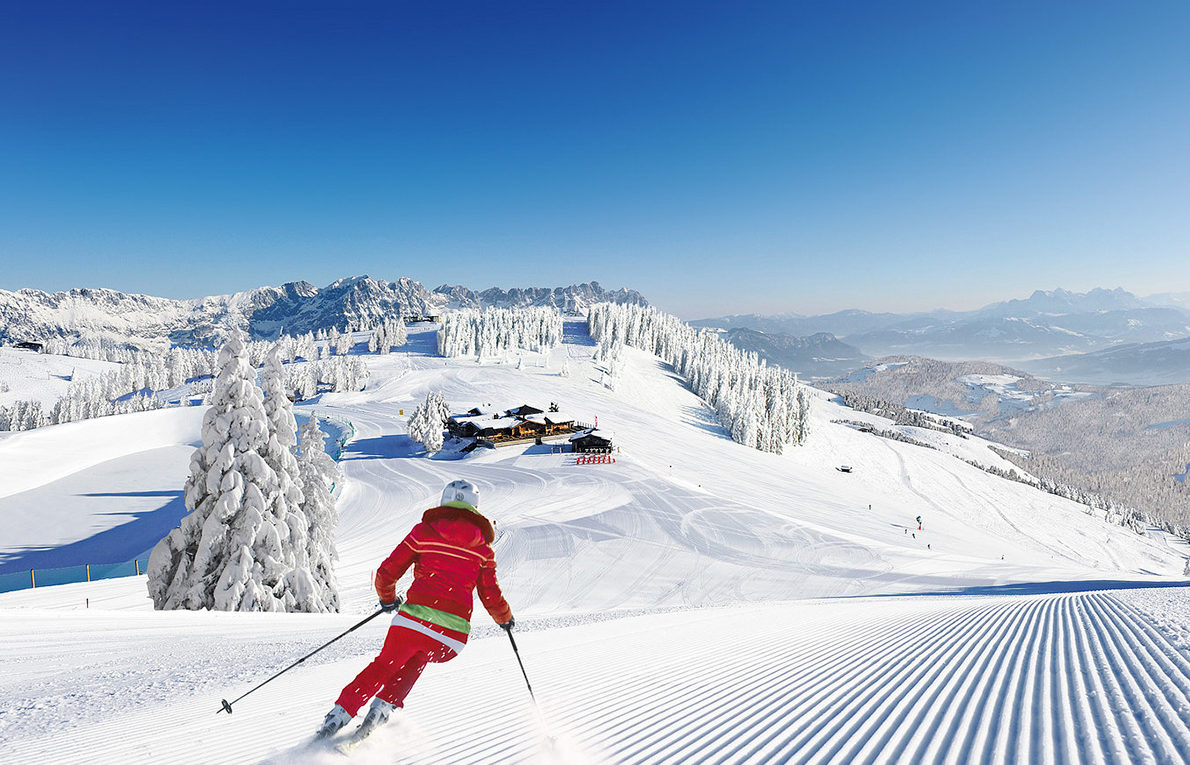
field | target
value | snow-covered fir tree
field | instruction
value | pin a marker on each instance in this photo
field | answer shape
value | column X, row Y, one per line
column 341, row 374
column 496, row 331
column 428, row 421
column 307, row 349
column 761, row 406
column 302, row 380
column 389, row 334
column 229, row 552
column 301, row 583
column 398, row 335
column 318, row 474
column 22, row 415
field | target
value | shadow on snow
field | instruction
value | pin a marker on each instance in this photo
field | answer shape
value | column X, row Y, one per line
column 115, row 545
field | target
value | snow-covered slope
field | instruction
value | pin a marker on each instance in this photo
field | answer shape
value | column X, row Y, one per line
column 31, row 376
column 653, row 602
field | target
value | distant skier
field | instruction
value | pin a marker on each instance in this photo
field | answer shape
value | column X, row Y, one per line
column 451, row 556
column 919, row 523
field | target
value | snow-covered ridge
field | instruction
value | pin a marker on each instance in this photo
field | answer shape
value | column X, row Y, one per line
column 573, row 300
column 152, row 323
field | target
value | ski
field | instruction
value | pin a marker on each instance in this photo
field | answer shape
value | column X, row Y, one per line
column 348, row 746
column 362, row 732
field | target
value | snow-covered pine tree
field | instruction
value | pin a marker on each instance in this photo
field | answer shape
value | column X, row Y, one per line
column 227, row 554
column 428, row 421
column 318, row 474
column 302, row 590
column 399, row 335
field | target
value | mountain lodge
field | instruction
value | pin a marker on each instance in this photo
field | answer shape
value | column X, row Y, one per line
column 515, row 425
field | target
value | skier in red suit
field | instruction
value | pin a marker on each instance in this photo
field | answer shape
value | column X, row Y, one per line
column 451, row 554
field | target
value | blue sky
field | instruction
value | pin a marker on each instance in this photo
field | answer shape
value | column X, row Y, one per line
column 719, row 157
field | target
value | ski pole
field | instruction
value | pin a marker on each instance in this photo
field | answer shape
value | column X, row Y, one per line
column 227, row 704
column 518, row 661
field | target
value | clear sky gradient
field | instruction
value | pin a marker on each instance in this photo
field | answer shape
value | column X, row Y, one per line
column 720, row 157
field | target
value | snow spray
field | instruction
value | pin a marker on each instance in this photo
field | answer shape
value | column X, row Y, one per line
column 556, row 748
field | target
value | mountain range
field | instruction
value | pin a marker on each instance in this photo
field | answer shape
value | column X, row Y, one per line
column 1047, row 325
column 146, row 322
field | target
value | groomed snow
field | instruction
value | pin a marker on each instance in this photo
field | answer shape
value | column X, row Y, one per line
column 695, row 601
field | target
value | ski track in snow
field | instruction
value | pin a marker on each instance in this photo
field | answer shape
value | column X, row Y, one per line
column 1025, row 678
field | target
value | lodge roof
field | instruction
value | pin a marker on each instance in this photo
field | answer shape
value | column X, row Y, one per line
column 499, row 423
column 549, row 418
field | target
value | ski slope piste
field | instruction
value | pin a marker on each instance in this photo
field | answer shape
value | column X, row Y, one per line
column 693, row 601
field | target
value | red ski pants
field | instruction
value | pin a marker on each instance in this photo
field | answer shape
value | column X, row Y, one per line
column 392, row 674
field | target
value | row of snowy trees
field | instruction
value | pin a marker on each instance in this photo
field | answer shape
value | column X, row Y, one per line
column 902, row 416
column 341, row 374
column 428, row 421
column 260, row 534
column 388, row 334
column 310, row 346
column 111, row 392
column 94, row 349
column 762, row 406
column 495, row 331
column 27, row 415
column 130, row 387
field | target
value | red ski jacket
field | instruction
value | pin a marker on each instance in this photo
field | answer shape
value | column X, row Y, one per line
column 451, row 554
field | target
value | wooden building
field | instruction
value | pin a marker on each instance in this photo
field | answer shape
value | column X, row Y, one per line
column 521, row 423
column 552, row 423
column 590, row 441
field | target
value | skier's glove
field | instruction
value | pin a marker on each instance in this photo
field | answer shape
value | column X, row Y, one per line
column 508, row 625
column 392, row 605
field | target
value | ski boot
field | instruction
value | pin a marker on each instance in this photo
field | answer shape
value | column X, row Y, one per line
column 377, row 716
column 335, row 719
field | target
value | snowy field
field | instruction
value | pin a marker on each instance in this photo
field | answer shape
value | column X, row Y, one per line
column 31, row 376
column 695, row 601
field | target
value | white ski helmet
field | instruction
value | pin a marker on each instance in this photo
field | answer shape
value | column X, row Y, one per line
column 462, row 494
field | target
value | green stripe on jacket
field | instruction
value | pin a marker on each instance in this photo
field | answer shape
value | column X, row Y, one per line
column 434, row 616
